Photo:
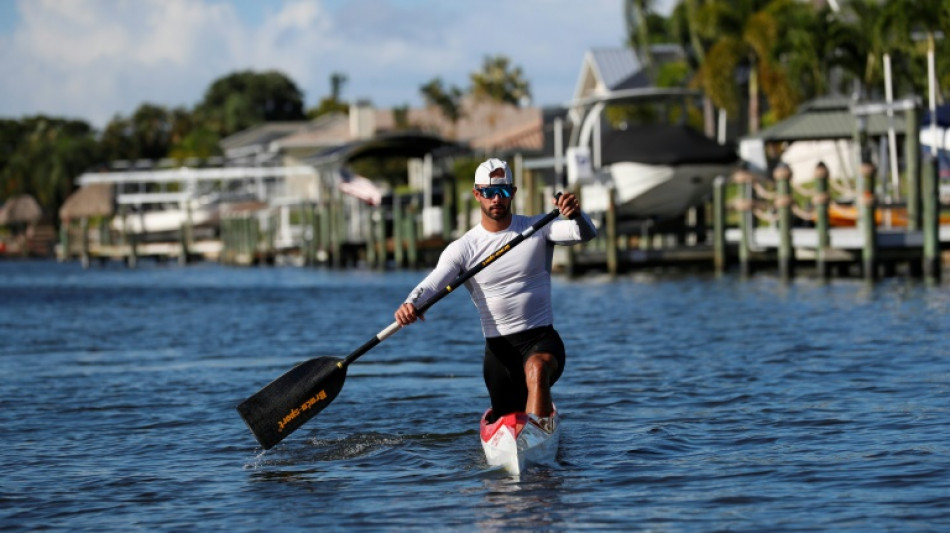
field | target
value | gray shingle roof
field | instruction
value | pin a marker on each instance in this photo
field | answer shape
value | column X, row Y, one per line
column 615, row 65
column 826, row 119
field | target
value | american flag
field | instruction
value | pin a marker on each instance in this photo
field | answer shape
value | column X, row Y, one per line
column 360, row 187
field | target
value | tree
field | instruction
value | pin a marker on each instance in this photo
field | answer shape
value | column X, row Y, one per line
column 401, row 117
column 150, row 133
column 910, row 30
column 199, row 142
column 41, row 156
column 243, row 99
column 332, row 103
column 499, row 82
column 447, row 100
column 745, row 36
column 644, row 28
column 812, row 42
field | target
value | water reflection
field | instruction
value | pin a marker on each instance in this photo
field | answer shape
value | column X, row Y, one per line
column 531, row 501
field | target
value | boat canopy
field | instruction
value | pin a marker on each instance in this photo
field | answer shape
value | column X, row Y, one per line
column 664, row 144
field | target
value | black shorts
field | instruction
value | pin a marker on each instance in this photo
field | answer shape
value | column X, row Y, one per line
column 503, row 367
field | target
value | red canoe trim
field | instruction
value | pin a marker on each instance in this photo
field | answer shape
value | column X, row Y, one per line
column 515, row 421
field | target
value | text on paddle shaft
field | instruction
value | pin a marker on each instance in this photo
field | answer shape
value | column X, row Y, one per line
column 496, row 255
column 320, row 396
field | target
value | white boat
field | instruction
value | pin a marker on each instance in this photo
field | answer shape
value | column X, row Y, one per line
column 161, row 220
column 657, row 171
column 164, row 212
column 517, row 440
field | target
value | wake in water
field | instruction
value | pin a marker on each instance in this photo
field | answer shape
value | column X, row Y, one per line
column 411, row 447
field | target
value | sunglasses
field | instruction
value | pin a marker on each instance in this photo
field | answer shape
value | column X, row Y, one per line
column 490, row 192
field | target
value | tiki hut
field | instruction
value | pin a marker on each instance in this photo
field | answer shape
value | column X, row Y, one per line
column 95, row 200
column 21, row 210
column 24, row 233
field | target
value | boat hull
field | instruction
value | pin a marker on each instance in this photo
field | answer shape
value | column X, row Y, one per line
column 658, row 192
column 163, row 220
column 518, row 440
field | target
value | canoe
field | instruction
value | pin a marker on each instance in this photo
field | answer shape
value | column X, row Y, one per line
column 517, row 440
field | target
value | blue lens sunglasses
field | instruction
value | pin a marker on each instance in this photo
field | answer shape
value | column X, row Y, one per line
column 490, row 192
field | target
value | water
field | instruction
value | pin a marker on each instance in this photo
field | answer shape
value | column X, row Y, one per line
column 689, row 404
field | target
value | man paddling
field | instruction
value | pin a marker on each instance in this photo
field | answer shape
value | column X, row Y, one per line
column 524, row 354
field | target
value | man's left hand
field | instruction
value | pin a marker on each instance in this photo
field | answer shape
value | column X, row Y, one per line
column 568, row 204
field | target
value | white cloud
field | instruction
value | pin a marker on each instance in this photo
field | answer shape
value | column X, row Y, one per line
column 93, row 59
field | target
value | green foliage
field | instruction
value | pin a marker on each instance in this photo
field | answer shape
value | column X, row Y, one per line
column 328, row 106
column 244, row 99
column 332, row 103
column 199, row 142
column 464, row 170
column 41, row 156
column 401, row 117
column 448, row 100
column 499, row 81
column 392, row 170
column 150, row 133
column 673, row 74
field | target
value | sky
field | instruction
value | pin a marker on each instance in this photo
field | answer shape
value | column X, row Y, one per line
column 95, row 59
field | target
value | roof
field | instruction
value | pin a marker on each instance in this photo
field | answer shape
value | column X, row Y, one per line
column 640, row 78
column 327, row 130
column 22, row 208
column 262, row 134
column 664, row 144
column 484, row 125
column 96, row 199
column 614, row 66
column 826, row 119
column 607, row 70
column 388, row 145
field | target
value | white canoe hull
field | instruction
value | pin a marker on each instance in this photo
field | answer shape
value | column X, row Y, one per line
column 518, row 440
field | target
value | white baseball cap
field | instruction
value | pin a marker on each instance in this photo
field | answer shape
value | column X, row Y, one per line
column 483, row 173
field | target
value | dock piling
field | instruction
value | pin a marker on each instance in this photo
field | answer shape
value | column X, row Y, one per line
column 820, row 201
column 783, row 204
column 868, row 223
column 719, row 224
column 931, row 219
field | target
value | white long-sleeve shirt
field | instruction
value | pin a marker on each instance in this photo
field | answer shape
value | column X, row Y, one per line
column 514, row 293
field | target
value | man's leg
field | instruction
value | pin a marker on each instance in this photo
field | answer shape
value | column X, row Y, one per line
column 538, row 370
column 504, row 381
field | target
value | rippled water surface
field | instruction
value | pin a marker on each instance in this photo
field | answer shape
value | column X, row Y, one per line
column 688, row 404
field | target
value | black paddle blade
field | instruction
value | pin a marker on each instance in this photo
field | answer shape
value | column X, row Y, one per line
column 286, row 403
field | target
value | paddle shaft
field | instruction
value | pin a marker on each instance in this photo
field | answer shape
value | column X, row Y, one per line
column 462, row 278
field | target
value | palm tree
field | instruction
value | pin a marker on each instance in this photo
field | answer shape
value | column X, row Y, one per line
column 638, row 28
column 500, row 82
column 925, row 19
column 447, row 100
column 745, row 35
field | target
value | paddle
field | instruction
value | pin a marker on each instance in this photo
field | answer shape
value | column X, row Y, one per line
column 286, row 403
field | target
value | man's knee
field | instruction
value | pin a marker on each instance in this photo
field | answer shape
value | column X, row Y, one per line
column 540, row 367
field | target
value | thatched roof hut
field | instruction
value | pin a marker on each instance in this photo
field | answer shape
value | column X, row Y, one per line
column 20, row 209
column 97, row 199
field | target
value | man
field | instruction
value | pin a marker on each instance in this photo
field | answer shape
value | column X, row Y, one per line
column 524, row 355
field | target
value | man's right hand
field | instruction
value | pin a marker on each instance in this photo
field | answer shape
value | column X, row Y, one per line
column 406, row 314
